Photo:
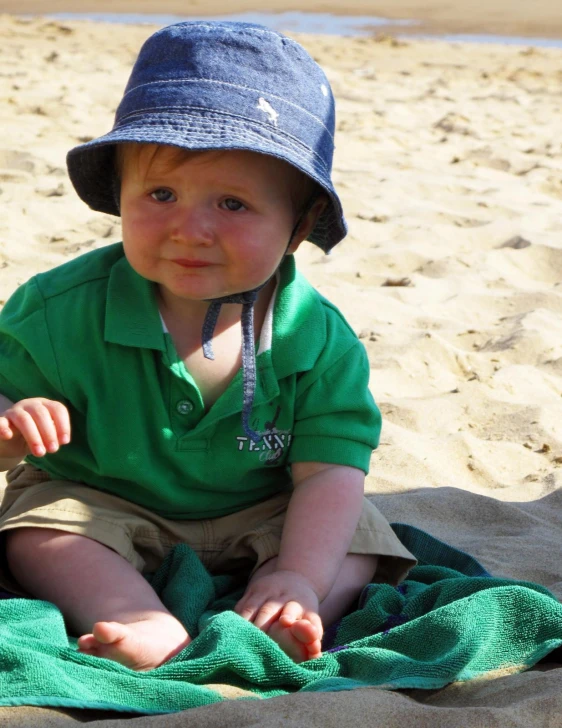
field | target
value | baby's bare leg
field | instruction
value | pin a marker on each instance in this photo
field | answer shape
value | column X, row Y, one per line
column 300, row 639
column 356, row 572
column 102, row 597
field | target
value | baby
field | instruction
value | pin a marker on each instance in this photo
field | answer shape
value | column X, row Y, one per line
column 187, row 385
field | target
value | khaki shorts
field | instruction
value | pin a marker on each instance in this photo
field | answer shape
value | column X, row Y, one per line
column 242, row 540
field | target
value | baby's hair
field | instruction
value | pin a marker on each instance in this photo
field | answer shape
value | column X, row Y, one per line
column 303, row 190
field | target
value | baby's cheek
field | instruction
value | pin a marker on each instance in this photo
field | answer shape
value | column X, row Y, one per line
column 263, row 263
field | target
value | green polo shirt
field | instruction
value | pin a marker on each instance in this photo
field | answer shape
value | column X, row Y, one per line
column 89, row 334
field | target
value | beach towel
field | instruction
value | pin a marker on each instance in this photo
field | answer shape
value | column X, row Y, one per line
column 449, row 621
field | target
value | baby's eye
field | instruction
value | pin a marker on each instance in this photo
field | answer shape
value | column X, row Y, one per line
column 162, row 195
column 232, row 204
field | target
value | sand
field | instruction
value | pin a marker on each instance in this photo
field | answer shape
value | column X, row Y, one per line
column 542, row 18
column 449, row 162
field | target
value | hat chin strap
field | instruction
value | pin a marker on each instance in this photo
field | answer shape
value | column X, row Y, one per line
column 247, row 299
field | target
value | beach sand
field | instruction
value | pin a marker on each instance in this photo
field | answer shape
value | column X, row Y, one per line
column 505, row 17
column 449, row 165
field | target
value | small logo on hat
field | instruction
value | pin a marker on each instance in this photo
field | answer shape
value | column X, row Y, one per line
column 268, row 109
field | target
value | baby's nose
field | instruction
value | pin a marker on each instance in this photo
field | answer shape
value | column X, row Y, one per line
column 193, row 226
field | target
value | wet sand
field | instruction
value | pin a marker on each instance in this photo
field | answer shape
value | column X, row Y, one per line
column 541, row 18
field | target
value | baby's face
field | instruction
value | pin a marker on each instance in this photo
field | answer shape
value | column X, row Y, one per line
column 207, row 225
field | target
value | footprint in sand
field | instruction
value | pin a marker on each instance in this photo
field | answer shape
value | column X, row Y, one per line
column 11, row 159
column 16, row 166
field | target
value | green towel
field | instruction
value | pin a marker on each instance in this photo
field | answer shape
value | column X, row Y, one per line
column 449, row 621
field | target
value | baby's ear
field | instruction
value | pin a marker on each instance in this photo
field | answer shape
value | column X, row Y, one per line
column 309, row 221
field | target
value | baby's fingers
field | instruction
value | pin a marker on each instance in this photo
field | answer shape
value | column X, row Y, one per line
column 6, row 432
column 267, row 614
column 25, row 423
column 61, row 420
column 246, row 609
column 261, row 613
column 44, row 424
column 292, row 611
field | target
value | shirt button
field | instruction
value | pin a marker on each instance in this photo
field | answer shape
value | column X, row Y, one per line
column 184, row 406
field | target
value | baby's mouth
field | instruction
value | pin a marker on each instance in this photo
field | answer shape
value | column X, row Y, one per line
column 191, row 263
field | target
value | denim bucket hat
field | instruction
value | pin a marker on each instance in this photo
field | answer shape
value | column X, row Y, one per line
column 221, row 85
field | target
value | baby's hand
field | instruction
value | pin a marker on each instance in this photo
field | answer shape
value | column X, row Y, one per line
column 36, row 425
column 285, row 606
column 283, row 595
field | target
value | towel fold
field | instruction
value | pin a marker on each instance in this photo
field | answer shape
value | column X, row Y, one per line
column 450, row 621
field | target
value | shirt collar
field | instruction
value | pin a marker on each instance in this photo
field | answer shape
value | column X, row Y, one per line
column 299, row 324
column 131, row 315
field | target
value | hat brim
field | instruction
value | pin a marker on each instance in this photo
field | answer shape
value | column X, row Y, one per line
column 92, row 167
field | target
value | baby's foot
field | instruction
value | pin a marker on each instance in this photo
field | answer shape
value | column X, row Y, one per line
column 140, row 645
column 300, row 639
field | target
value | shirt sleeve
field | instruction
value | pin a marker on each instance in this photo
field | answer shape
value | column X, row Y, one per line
column 28, row 366
column 336, row 418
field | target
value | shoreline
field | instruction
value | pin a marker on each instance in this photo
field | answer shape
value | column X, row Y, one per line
column 315, row 24
column 484, row 19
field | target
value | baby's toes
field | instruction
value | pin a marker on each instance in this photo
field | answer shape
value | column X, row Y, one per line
column 293, row 647
column 88, row 645
column 109, row 633
column 309, row 635
column 87, row 642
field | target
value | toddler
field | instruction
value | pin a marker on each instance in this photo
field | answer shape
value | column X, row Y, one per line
column 187, row 385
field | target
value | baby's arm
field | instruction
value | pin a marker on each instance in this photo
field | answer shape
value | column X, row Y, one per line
column 319, row 526
column 36, row 425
